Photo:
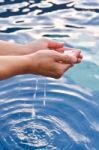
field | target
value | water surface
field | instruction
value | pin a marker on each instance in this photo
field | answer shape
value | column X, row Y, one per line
column 38, row 113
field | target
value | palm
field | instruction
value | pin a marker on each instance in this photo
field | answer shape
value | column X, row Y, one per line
column 46, row 44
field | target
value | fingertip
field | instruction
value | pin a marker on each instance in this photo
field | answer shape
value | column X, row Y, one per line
column 55, row 45
column 74, row 60
column 79, row 60
column 60, row 44
column 81, row 56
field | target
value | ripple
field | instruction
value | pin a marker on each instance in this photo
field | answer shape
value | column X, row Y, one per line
column 87, row 5
column 64, row 122
column 32, row 133
column 38, row 113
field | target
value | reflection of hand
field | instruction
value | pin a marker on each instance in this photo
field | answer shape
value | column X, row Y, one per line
column 52, row 63
column 45, row 44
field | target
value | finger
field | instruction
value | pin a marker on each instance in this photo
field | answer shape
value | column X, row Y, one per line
column 76, row 53
column 67, row 66
column 64, row 67
column 81, row 56
column 73, row 52
column 55, row 45
column 66, row 58
column 60, row 50
column 71, row 49
column 79, row 60
column 68, row 49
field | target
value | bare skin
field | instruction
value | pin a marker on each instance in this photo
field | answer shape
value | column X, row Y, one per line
column 52, row 63
column 9, row 48
column 44, row 57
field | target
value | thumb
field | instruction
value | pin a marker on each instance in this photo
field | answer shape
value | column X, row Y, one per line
column 55, row 45
column 65, row 67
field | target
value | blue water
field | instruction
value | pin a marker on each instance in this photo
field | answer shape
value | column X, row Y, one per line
column 38, row 113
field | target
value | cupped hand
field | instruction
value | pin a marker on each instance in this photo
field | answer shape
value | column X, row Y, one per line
column 51, row 63
column 45, row 44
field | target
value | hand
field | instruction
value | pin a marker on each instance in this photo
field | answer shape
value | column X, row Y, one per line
column 51, row 63
column 45, row 44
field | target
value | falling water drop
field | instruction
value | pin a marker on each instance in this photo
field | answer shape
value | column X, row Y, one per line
column 44, row 100
column 34, row 97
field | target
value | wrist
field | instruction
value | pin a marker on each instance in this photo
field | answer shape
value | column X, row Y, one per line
column 27, row 49
column 13, row 65
column 19, row 64
column 25, row 65
column 32, row 63
column 23, row 49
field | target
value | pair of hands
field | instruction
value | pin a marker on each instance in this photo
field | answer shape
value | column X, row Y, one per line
column 47, row 57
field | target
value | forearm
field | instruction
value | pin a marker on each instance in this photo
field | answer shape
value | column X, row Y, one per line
column 13, row 65
column 9, row 48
